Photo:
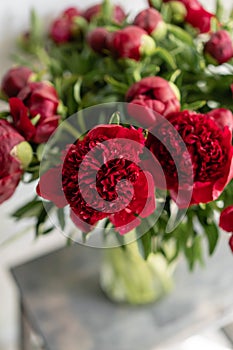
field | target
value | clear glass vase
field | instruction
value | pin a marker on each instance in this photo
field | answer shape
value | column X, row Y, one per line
column 126, row 277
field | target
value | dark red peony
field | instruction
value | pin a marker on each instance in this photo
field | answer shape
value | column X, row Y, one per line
column 131, row 42
column 209, row 147
column 118, row 15
column 63, row 29
column 102, row 178
column 226, row 219
column 153, row 93
column 11, row 168
column 14, row 80
column 219, row 48
column 97, row 39
column 34, row 111
column 152, row 22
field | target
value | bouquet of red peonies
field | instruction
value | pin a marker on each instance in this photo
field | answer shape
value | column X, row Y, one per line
column 126, row 125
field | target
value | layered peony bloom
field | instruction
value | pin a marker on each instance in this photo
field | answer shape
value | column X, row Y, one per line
column 11, row 168
column 152, row 22
column 34, row 111
column 118, row 15
column 210, row 149
column 63, row 29
column 97, row 39
column 195, row 15
column 219, row 48
column 101, row 177
column 153, row 93
column 131, row 42
column 14, row 80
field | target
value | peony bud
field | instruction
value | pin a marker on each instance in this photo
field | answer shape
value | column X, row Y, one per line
column 131, row 42
column 63, row 29
column 151, row 21
column 223, row 117
column 15, row 80
column 152, row 93
column 118, row 15
column 226, row 219
column 178, row 11
column 219, row 48
column 231, row 243
column 195, row 15
column 97, row 39
column 23, row 152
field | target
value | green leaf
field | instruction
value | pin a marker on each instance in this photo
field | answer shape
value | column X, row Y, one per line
column 61, row 217
column 115, row 118
column 219, row 10
column 77, row 90
column 194, row 106
column 31, row 209
column 36, row 29
column 180, row 34
column 119, row 86
column 212, row 235
column 194, row 252
column 145, row 245
column 42, row 218
column 166, row 56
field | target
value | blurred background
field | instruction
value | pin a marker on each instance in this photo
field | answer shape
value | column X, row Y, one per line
column 17, row 242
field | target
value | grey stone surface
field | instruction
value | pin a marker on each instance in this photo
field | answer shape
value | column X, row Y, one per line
column 64, row 302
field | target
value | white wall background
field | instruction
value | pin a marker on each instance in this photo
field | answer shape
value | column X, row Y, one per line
column 14, row 18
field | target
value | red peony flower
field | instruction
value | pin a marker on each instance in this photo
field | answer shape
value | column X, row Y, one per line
column 97, row 39
column 131, row 42
column 63, row 28
column 219, row 48
column 226, row 219
column 153, row 93
column 102, row 178
column 118, row 15
column 196, row 15
column 223, row 117
column 200, row 19
column 209, row 147
column 11, row 168
column 34, row 111
column 14, row 80
column 152, row 22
